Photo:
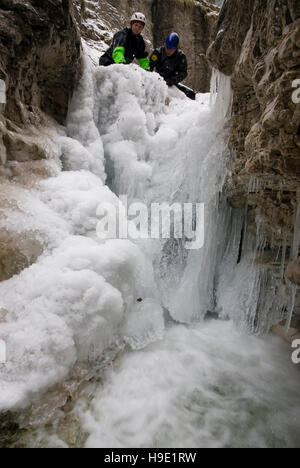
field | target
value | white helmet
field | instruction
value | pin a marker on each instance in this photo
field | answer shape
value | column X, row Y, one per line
column 138, row 17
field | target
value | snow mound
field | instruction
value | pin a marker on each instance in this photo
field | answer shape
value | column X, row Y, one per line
column 73, row 300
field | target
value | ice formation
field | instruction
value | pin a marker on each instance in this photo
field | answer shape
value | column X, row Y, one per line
column 126, row 129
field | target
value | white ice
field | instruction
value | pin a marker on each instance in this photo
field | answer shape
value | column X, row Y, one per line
column 203, row 386
column 127, row 129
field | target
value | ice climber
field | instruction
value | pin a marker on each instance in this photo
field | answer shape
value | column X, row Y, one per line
column 171, row 63
column 128, row 44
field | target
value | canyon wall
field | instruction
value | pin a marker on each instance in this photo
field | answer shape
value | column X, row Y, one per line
column 257, row 43
column 39, row 52
column 39, row 64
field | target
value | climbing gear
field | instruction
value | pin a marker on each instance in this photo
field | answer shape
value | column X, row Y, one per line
column 187, row 91
column 172, row 41
column 138, row 17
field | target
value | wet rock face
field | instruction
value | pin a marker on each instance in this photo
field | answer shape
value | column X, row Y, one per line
column 39, row 54
column 258, row 44
column 16, row 253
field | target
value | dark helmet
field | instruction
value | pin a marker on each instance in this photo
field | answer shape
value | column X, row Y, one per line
column 172, row 41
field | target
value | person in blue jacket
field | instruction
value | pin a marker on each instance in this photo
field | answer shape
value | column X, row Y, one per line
column 171, row 63
column 128, row 44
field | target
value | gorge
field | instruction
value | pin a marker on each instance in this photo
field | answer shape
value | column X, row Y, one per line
column 81, row 349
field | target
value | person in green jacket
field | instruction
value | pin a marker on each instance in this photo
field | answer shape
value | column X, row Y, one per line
column 128, row 44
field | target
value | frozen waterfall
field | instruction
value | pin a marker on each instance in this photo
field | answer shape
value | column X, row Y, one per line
column 87, row 298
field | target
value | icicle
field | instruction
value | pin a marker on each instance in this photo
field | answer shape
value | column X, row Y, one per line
column 272, row 239
column 280, row 191
column 283, row 256
column 296, row 239
column 251, row 184
column 277, row 255
column 255, row 185
column 293, row 256
column 213, row 87
column 259, row 237
column 245, row 230
column 261, row 245
column 221, row 96
column 293, row 301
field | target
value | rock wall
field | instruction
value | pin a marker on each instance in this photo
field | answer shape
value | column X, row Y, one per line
column 258, row 44
column 39, row 53
column 39, row 62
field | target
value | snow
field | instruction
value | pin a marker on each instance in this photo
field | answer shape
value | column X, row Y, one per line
column 74, row 196
column 61, row 306
column 206, row 386
column 22, row 212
